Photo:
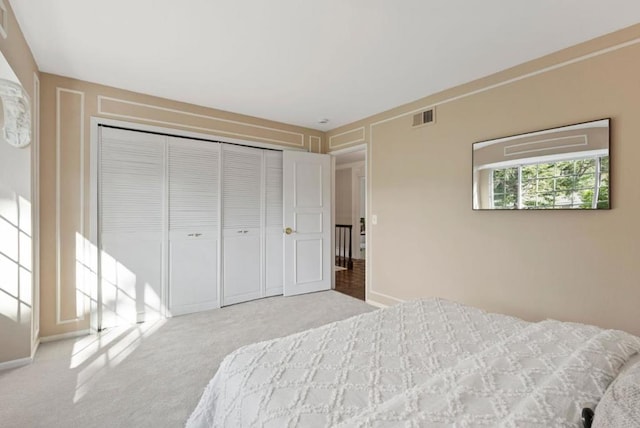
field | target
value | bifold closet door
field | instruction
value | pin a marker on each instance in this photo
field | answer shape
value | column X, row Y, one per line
column 132, row 221
column 273, row 230
column 241, row 219
column 193, row 177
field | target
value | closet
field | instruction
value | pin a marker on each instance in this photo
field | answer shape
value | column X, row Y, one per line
column 185, row 225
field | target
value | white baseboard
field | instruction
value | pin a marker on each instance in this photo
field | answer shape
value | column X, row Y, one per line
column 370, row 293
column 21, row 361
column 63, row 336
column 34, row 348
column 15, row 363
column 376, row 304
column 193, row 308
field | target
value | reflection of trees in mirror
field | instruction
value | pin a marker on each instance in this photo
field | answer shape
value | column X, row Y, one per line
column 505, row 188
column 563, row 184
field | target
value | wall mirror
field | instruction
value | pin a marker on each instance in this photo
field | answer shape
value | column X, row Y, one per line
column 559, row 168
column 15, row 109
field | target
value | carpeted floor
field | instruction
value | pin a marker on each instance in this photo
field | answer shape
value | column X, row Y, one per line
column 152, row 374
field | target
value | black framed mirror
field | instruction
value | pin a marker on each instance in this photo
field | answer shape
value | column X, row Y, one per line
column 559, row 168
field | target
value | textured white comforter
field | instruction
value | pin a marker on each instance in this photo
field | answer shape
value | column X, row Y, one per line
column 428, row 363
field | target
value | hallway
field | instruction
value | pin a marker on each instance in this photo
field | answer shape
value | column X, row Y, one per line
column 352, row 282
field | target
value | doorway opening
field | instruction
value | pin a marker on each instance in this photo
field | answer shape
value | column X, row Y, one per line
column 350, row 178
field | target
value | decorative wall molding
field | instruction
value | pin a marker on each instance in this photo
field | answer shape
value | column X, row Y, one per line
column 370, row 246
column 59, row 195
column 315, row 141
column 513, row 80
column 279, row 136
column 35, row 209
column 346, row 138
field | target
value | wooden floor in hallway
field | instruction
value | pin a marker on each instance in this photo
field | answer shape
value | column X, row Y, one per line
column 351, row 281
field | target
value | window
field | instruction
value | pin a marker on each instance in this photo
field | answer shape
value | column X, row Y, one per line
column 575, row 184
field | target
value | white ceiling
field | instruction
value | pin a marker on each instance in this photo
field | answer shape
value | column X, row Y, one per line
column 298, row 61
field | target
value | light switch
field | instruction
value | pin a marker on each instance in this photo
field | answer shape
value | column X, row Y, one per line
column 374, row 219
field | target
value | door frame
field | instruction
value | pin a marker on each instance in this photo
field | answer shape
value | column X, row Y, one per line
column 94, row 210
column 357, row 148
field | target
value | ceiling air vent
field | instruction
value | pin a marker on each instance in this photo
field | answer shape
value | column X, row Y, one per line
column 424, row 117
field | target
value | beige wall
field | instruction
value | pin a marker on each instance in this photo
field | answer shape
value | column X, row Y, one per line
column 16, row 226
column 578, row 266
column 67, row 107
column 343, row 198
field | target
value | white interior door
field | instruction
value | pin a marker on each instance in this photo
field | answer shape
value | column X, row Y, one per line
column 307, row 221
column 193, row 177
column 132, row 226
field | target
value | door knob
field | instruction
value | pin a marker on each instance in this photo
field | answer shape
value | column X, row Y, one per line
column 288, row 231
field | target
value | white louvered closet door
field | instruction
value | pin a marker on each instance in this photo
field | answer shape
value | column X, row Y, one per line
column 193, row 177
column 241, row 219
column 132, row 225
column 274, row 243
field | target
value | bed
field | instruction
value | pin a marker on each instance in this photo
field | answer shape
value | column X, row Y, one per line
column 429, row 362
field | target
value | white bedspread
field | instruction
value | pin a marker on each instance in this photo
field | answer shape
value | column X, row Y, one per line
column 428, row 363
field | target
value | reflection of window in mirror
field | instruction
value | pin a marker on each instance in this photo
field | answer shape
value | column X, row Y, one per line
column 576, row 183
column 559, row 168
